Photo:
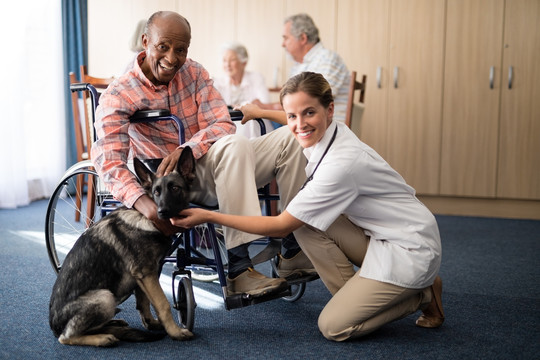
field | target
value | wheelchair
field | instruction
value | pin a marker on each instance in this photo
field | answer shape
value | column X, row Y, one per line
column 198, row 250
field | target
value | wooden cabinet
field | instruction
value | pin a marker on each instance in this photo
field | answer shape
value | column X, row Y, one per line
column 404, row 64
column 472, row 83
column 365, row 23
column 519, row 133
column 415, row 91
column 491, row 130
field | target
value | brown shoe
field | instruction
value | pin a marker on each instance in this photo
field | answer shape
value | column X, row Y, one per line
column 295, row 267
column 433, row 315
column 254, row 283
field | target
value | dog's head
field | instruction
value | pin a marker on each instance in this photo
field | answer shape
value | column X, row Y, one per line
column 170, row 192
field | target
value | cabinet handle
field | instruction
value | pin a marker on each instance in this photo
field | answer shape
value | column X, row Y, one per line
column 491, row 75
column 396, row 74
column 510, row 76
column 379, row 72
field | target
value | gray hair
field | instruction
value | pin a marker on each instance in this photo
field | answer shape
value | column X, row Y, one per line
column 238, row 48
column 303, row 24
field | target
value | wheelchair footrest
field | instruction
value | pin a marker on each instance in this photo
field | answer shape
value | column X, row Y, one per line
column 243, row 300
column 303, row 279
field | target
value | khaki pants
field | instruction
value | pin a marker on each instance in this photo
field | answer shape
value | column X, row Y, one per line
column 359, row 305
column 235, row 167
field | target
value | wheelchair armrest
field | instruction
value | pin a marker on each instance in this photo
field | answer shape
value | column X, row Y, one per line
column 151, row 115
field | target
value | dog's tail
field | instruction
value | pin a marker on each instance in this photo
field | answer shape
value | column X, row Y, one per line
column 123, row 332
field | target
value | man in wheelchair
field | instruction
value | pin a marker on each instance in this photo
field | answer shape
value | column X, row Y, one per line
column 229, row 167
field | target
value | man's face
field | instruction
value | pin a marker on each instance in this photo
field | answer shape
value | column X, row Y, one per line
column 291, row 44
column 166, row 46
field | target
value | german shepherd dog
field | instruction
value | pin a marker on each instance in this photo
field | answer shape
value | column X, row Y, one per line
column 119, row 255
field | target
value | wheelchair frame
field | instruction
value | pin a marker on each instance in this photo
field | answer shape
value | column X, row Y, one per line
column 60, row 232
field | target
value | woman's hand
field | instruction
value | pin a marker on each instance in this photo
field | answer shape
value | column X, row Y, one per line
column 188, row 218
column 253, row 111
column 250, row 111
column 146, row 206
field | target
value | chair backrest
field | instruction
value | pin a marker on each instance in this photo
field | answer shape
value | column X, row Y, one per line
column 98, row 83
column 355, row 109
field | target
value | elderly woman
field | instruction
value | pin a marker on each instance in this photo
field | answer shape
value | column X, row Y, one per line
column 353, row 210
column 239, row 86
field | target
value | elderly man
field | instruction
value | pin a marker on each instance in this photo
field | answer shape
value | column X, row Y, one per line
column 229, row 167
column 301, row 41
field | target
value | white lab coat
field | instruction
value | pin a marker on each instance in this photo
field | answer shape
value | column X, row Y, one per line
column 352, row 179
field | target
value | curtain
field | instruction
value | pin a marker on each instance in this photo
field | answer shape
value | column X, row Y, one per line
column 33, row 117
column 75, row 43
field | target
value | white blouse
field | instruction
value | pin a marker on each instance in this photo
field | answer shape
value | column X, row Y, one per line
column 252, row 87
column 352, row 179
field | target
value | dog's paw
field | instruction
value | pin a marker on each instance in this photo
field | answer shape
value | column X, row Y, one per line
column 107, row 340
column 181, row 334
column 102, row 340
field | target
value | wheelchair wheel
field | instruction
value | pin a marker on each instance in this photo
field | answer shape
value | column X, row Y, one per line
column 185, row 303
column 297, row 290
column 69, row 213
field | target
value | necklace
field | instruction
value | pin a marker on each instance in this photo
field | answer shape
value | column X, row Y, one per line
column 320, row 160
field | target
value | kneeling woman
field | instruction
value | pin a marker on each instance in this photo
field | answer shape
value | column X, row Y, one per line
column 354, row 210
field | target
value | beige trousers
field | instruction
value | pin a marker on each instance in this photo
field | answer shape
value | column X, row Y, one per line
column 234, row 167
column 359, row 305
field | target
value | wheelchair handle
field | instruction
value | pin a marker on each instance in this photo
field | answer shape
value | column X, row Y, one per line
column 145, row 116
column 237, row 115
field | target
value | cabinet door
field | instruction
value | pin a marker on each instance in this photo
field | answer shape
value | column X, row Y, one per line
column 415, row 94
column 519, row 136
column 363, row 44
column 474, row 33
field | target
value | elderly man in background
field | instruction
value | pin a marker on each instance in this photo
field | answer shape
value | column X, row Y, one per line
column 301, row 41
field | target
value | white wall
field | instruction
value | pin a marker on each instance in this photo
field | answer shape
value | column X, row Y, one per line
column 257, row 24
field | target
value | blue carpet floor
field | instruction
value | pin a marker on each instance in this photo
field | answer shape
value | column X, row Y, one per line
column 491, row 296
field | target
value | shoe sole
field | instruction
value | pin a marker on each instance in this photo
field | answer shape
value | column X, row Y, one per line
column 261, row 292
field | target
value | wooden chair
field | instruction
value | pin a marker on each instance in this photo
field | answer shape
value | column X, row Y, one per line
column 355, row 110
column 100, row 84
column 84, row 135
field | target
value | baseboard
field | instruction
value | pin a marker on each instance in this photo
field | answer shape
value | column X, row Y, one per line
column 500, row 208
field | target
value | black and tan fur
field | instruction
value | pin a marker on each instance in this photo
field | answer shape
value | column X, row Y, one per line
column 115, row 257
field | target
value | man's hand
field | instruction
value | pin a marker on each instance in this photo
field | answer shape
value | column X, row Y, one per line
column 169, row 163
column 146, row 206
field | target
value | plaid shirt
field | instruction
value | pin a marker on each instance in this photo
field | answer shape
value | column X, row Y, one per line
column 190, row 95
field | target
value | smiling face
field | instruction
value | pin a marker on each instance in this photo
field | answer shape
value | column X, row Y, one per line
column 166, row 45
column 307, row 118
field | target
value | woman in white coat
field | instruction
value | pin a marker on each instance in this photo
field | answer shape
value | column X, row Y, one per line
column 354, row 211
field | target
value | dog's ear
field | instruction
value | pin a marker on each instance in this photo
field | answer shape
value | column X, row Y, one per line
column 186, row 164
column 146, row 177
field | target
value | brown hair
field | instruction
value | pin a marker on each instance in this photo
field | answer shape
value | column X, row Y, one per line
column 313, row 84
